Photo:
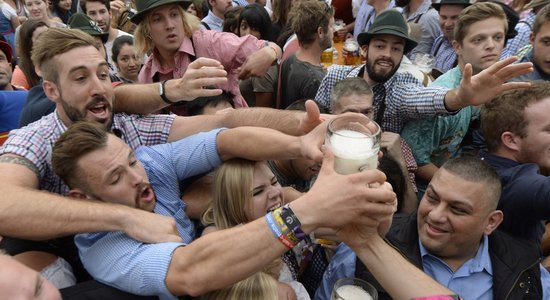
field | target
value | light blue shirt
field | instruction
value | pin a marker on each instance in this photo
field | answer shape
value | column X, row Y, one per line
column 118, row 260
column 428, row 19
column 213, row 22
column 473, row 280
column 444, row 54
column 365, row 17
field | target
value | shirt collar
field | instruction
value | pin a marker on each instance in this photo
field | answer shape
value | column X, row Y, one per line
column 497, row 160
column 185, row 47
column 480, row 262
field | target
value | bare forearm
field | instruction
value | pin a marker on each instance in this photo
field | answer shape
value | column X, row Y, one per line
column 452, row 103
column 400, row 278
column 138, row 98
column 256, row 143
column 284, row 121
column 244, row 250
column 426, row 172
column 38, row 215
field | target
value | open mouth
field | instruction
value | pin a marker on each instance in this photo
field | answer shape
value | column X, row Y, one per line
column 274, row 207
column 145, row 196
column 385, row 64
column 99, row 110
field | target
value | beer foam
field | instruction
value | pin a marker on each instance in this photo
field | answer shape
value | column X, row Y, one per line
column 347, row 143
column 352, row 292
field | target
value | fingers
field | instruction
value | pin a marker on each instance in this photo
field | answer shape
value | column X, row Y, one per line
column 515, row 85
column 467, row 75
column 494, row 68
column 312, row 111
column 328, row 161
column 511, row 71
column 204, row 62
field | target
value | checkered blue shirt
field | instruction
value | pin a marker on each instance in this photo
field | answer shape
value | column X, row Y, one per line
column 406, row 97
column 444, row 54
column 522, row 38
column 35, row 141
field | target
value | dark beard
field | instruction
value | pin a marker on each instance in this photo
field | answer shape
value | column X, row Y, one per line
column 380, row 78
column 75, row 115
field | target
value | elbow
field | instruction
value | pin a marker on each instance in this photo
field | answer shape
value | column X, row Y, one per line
column 186, row 284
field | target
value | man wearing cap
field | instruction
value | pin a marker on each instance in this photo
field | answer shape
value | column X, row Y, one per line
column 435, row 139
column 539, row 55
column 399, row 97
column 442, row 49
column 524, row 28
column 100, row 12
column 174, row 39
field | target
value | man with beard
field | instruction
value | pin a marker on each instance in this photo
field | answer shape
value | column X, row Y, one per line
column 442, row 49
column 540, row 53
column 100, row 12
column 98, row 165
column 420, row 13
column 516, row 126
column 214, row 19
column 301, row 73
column 480, row 34
column 76, row 78
column 454, row 238
column 400, row 97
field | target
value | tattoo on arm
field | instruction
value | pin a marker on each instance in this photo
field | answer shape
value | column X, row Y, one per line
column 20, row 161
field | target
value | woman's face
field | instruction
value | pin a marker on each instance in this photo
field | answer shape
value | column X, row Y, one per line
column 37, row 32
column 244, row 30
column 267, row 192
column 191, row 9
column 37, row 9
column 65, row 4
column 128, row 63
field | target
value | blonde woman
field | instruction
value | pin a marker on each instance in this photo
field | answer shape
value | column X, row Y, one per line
column 258, row 286
column 244, row 191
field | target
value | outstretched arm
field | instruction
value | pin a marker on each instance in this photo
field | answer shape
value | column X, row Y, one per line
column 489, row 83
column 195, row 269
column 29, row 213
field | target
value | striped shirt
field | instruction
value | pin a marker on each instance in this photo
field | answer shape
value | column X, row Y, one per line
column 444, row 54
column 35, row 141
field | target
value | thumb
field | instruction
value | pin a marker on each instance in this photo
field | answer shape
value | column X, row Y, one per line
column 468, row 72
column 312, row 110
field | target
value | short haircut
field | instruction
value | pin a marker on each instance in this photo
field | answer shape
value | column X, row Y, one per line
column 142, row 34
column 475, row 13
column 347, row 87
column 196, row 107
column 44, row 51
column 120, row 42
column 107, row 4
column 25, row 47
column 308, row 15
column 507, row 112
column 80, row 139
column 476, row 170
column 257, row 19
column 542, row 17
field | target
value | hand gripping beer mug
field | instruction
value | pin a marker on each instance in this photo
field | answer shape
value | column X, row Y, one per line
column 353, row 289
column 355, row 142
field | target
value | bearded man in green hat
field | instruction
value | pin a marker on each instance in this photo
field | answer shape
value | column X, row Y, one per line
column 173, row 39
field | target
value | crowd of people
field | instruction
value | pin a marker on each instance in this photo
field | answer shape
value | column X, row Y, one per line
column 165, row 149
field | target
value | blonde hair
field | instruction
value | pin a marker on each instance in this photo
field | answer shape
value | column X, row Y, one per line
column 258, row 286
column 477, row 12
column 44, row 51
column 232, row 185
column 142, row 36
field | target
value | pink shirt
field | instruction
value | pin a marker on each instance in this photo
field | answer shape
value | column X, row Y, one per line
column 227, row 48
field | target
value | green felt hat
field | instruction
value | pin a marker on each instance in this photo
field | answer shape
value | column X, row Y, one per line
column 389, row 22
column 83, row 22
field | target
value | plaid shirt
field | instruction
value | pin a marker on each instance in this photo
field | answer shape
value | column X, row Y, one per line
column 406, row 97
column 444, row 54
column 522, row 38
column 35, row 141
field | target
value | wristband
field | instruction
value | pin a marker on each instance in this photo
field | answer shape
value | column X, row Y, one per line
column 162, row 92
column 293, row 223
